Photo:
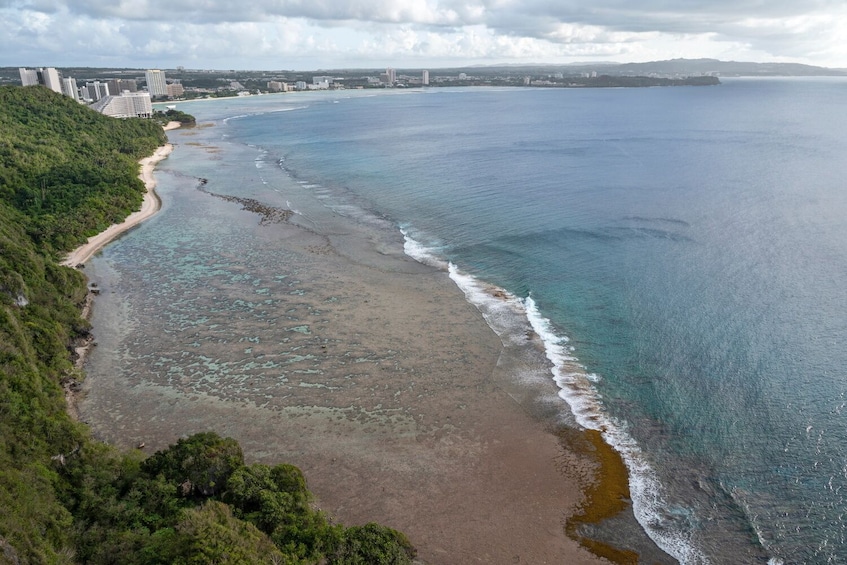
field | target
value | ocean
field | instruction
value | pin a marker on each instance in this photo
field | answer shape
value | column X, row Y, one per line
column 681, row 251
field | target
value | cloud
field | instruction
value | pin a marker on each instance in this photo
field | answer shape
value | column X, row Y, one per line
column 419, row 30
column 652, row 15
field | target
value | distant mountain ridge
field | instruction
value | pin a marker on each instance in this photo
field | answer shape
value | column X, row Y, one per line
column 724, row 68
column 669, row 67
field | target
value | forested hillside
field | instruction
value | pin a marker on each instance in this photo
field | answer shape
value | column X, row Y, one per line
column 71, row 171
column 67, row 172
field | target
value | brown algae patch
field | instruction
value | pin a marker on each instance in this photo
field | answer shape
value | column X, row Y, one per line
column 605, row 497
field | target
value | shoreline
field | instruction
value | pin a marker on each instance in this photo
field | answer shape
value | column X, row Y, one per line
column 456, row 453
column 608, row 500
column 149, row 206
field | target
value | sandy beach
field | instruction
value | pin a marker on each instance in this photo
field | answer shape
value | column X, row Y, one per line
column 371, row 372
column 149, row 206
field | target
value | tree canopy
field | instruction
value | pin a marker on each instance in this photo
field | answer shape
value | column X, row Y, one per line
column 59, row 158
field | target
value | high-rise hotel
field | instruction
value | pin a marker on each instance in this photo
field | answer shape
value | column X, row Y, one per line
column 156, row 84
column 48, row 76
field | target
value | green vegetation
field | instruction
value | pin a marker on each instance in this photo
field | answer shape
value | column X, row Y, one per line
column 197, row 502
column 173, row 115
column 67, row 172
column 58, row 158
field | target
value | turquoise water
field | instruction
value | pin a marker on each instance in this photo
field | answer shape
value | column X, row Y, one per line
column 681, row 250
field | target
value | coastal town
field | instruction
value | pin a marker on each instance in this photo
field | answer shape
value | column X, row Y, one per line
column 124, row 93
column 131, row 92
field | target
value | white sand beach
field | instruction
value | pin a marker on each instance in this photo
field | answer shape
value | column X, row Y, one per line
column 149, row 206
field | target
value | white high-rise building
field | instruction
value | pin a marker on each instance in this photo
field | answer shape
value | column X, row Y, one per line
column 125, row 105
column 69, row 88
column 156, row 84
column 29, row 77
column 51, row 79
column 391, row 74
column 425, row 78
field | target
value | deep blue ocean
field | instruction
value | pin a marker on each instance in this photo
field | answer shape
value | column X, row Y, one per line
column 683, row 251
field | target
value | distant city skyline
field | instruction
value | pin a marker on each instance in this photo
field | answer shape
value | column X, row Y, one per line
column 117, row 97
column 325, row 34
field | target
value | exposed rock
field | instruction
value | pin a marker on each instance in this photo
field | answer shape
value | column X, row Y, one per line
column 269, row 214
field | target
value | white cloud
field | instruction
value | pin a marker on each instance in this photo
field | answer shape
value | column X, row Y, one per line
column 260, row 33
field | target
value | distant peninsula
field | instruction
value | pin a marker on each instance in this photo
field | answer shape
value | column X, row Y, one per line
column 609, row 81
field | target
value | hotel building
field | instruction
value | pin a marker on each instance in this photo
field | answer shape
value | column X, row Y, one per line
column 156, row 84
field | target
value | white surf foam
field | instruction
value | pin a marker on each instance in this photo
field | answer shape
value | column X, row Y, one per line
column 576, row 388
column 237, row 117
column 421, row 253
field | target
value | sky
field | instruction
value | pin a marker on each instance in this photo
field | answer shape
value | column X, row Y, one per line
column 333, row 34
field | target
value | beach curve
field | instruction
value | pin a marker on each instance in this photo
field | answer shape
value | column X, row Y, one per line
column 149, row 206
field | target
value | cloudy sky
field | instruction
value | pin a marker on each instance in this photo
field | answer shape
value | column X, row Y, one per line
column 313, row 34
